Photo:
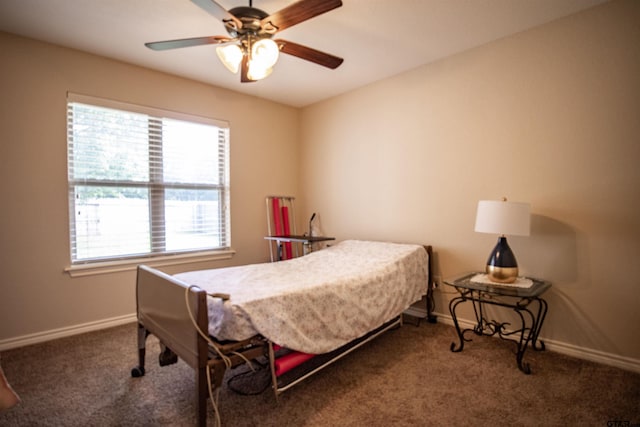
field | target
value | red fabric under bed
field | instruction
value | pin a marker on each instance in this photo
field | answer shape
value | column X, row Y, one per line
column 277, row 222
column 290, row 360
column 287, row 232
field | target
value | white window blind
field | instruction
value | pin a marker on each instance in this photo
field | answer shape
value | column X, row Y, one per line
column 144, row 182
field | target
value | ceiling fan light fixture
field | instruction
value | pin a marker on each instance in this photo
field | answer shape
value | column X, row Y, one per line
column 249, row 48
column 231, row 56
column 265, row 53
column 257, row 72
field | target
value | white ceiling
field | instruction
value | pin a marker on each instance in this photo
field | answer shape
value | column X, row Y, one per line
column 376, row 38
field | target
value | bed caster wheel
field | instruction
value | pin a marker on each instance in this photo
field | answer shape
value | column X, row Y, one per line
column 137, row 372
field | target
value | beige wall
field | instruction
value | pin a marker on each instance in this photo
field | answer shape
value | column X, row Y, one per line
column 549, row 116
column 36, row 296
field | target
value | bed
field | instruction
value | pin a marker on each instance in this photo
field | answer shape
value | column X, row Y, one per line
column 301, row 314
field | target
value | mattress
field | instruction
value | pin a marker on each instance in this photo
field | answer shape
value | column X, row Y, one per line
column 318, row 302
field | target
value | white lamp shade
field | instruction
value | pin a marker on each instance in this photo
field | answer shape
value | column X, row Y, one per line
column 503, row 217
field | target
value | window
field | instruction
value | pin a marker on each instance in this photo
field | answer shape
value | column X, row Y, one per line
column 144, row 182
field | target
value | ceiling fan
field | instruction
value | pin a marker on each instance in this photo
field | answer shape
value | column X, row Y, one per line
column 250, row 46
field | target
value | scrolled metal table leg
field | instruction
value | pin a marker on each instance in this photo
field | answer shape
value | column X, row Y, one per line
column 526, row 335
column 524, row 367
column 542, row 313
column 452, row 309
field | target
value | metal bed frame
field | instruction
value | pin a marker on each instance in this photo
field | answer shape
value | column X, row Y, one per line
column 176, row 313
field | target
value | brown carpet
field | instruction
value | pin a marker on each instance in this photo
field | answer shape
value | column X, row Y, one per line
column 407, row 377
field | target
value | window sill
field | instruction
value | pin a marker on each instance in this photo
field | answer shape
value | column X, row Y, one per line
column 91, row 269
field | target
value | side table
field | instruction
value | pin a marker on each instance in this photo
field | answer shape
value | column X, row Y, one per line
column 306, row 242
column 525, row 301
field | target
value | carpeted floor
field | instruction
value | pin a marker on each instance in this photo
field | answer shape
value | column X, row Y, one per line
column 407, row 377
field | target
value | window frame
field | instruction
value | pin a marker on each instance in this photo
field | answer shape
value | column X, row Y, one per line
column 153, row 258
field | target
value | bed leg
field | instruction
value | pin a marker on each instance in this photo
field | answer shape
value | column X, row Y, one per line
column 202, row 392
column 431, row 304
column 431, row 318
column 272, row 366
column 138, row 371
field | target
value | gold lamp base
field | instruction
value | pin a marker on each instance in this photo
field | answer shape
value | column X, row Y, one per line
column 502, row 274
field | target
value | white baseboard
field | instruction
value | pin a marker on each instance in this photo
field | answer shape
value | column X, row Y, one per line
column 53, row 334
column 626, row 363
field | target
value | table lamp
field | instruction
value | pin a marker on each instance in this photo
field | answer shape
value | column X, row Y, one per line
column 503, row 217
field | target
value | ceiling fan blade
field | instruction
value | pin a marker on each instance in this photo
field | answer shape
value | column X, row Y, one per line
column 219, row 12
column 196, row 41
column 299, row 12
column 309, row 54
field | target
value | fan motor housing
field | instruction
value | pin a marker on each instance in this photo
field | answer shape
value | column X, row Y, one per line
column 250, row 17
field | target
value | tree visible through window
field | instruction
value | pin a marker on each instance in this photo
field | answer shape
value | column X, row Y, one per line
column 144, row 182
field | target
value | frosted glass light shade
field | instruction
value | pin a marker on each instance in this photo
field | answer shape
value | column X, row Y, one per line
column 262, row 57
column 256, row 72
column 231, row 56
column 264, row 53
column 503, row 217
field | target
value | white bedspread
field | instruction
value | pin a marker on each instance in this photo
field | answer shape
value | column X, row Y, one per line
column 318, row 302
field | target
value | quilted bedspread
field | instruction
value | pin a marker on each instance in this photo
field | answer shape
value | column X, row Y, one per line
column 318, row 302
